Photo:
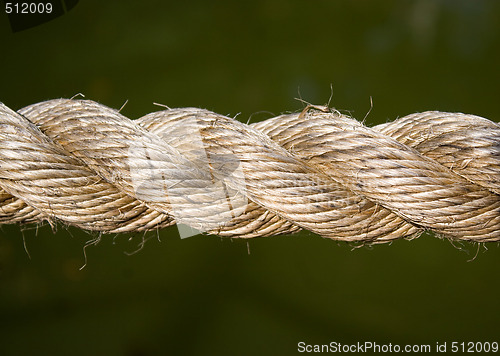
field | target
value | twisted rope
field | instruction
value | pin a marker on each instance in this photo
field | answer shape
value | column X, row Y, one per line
column 84, row 164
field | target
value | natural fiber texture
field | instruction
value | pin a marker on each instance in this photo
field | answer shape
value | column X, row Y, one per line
column 70, row 161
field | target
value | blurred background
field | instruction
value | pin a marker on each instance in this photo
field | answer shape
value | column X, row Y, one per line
column 209, row 296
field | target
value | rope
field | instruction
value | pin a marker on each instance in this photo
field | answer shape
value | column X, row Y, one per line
column 83, row 164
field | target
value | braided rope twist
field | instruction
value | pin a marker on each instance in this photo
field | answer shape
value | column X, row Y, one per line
column 86, row 165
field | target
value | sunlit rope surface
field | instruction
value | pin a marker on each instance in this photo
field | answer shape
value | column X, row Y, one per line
column 83, row 164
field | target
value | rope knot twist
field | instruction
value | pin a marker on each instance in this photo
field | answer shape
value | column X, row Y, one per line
column 84, row 164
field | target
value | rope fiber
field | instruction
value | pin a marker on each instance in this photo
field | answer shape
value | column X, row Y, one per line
column 83, row 164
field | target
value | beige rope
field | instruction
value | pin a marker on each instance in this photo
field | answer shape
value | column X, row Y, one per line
column 84, row 164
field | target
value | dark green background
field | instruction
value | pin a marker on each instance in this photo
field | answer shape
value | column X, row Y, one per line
column 205, row 295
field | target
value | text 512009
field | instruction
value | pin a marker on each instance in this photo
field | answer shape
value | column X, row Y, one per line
column 28, row 8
